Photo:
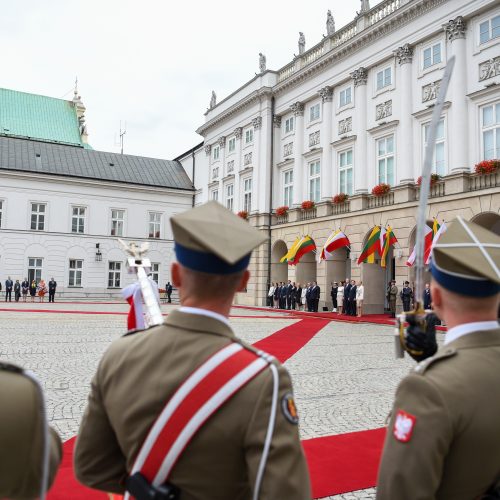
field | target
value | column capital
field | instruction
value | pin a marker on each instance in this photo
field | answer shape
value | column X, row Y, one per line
column 326, row 94
column 208, row 149
column 455, row 28
column 257, row 122
column 238, row 131
column 404, row 54
column 277, row 121
column 297, row 108
column 360, row 76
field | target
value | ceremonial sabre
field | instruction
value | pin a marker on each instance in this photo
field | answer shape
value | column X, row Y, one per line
column 422, row 209
column 138, row 264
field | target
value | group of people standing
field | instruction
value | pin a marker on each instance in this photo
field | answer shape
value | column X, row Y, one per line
column 33, row 289
column 294, row 296
column 347, row 297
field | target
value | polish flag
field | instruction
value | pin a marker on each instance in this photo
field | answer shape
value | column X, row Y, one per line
column 438, row 235
column 133, row 295
column 381, row 241
column 335, row 241
column 427, row 247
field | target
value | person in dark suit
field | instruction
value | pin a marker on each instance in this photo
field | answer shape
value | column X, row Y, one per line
column 406, row 296
column 17, row 290
column 293, row 295
column 25, row 286
column 308, row 297
column 352, row 299
column 276, row 295
column 315, row 294
column 333, row 293
column 427, row 296
column 283, row 294
column 168, row 291
column 52, row 289
column 289, row 288
column 8, row 289
column 298, row 295
column 347, row 289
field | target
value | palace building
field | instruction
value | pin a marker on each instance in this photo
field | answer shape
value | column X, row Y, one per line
column 346, row 115
column 63, row 205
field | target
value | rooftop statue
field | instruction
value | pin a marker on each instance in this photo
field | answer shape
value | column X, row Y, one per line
column 213, row 100
column 302, row 43
column 330, row 23
column 262, row 62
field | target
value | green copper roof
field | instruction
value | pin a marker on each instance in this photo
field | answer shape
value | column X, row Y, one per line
column 38, row 117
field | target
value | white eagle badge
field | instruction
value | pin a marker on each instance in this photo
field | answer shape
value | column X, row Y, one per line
column 403, row 426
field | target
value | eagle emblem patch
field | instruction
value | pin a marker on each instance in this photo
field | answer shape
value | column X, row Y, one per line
column 403, row 426
column 289, row 409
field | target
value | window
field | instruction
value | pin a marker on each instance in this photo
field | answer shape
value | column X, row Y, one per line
column 38, row 216
column 78, row 219
column 216, row 152
column 432, row 55
column 75, row 272
column 288, row 188
column 154, row 224
column 384, row 78
column 385, row 159
column 114, row 274
column 247, row 195
column 117, row 217
column 229, row 196
column 314, row 181
column 249, row 136
column 231, row 144
column 1, row 212
column 438, row 162
column 215, row 195
column 155, row 272
column 314, row 113
column 345, row 172
column 34, row 269
column 345, row 97
column 289, row 125
column 489, row 30
column 491, row 131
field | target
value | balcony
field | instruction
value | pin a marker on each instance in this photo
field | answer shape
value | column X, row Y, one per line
column 380, row 201
column 282, row 219
column 307, row 214
column 484, row 181
column 341, row 208
column 438, row 189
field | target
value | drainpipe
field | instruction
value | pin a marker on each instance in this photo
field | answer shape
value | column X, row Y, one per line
column 194, row 171
column 269, row 246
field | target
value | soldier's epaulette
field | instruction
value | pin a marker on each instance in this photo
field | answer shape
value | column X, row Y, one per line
column 443, row 354
column 131, row 332
column 9, row 367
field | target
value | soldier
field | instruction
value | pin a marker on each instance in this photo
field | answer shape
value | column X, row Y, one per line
column 30, row 451
column 146, row 380
column 392, row 294
column 406, row 296
column 443, row 440
column 52, row 289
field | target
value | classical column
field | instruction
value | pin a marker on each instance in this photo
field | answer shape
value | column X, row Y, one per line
column 259, row 163
column 458, row 119
column 238, row 132
column 360, row 77
column 326, row 94
column 298, row 147
column 404, row 56
column 276, row 155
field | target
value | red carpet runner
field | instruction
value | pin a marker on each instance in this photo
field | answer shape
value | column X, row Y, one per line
column 337, row 464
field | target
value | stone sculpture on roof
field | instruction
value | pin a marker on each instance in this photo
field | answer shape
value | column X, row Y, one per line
column 302, row 42
column 213, row 100
column 330, row 23
column 262, row 62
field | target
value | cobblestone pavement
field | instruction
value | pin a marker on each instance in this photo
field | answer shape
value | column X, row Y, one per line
column 344, row 378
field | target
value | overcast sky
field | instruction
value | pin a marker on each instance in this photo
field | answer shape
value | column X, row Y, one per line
column 152, row 63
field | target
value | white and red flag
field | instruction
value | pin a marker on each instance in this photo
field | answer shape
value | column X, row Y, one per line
column 133, row 295
column 335, row 241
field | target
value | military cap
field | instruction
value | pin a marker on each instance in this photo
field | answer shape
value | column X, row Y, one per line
column 466, row 260
column 211, row 239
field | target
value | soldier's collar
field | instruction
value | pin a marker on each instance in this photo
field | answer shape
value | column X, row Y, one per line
column 199, row 323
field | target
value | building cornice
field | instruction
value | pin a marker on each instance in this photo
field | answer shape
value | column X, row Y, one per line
column 312, row 152
column 344, row 140
column 382, row 127
column 427, row 112
column 285, row 163
column 486, row 92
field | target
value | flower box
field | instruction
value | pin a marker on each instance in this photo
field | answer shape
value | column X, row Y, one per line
column 487, row 167
column 243, row 214
column 280, row 211
column 308, row 205
column 434, row 178
column 381, row 189
column 339, row 198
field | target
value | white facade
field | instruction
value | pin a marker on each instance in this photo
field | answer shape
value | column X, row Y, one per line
column 50, row 226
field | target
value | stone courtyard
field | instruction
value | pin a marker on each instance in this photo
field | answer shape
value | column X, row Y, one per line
column 344, row 378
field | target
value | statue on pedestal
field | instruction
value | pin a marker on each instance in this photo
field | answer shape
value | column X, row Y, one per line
column 302, row 43
column 262, row 62
column 330, row 23
column 213, row 100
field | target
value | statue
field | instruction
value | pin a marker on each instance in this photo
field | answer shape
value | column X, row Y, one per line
column 262, row 62
column 213, row 100
column 365, row 6
column 330, row 23
column 302, row 43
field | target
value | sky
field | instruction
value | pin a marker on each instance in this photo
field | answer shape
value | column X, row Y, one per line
column 152, row 64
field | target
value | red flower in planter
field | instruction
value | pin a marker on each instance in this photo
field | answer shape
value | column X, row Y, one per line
column 243, row 214
column 280, row 211
column 340, row 198
column 381, row 189
column 308, row 205
column 487, row 167
column 434, row 178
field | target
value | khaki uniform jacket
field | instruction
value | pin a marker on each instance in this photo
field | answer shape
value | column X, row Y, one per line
column 21, row 437
column 454, row 449
column 138, row 375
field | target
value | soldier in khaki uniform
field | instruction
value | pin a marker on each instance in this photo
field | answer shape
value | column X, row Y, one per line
column 141, row 371
column 443, row 441
column 30, row 451
column 392, row 295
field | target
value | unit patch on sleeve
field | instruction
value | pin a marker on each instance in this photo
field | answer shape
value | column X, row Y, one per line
column 403, row 426
column 289, row 409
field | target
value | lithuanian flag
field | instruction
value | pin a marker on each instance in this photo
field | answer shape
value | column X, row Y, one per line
column 389, row 240
column 291, row 253
column 305, row 245
column 372, row 246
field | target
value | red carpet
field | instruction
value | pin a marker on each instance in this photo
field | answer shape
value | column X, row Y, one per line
column 345, row 462
column 284, row 343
